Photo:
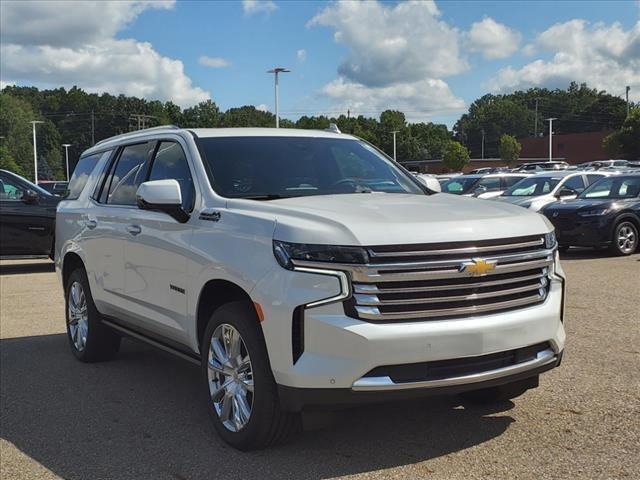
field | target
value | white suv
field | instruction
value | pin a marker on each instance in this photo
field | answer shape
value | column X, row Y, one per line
column 303, row 269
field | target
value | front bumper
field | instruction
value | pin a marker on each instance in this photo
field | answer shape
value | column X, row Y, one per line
column 339, row 351
column 583, row 231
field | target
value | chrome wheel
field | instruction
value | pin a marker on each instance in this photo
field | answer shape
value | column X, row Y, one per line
column 626, row 239
column 78, row 316
column 230, row 377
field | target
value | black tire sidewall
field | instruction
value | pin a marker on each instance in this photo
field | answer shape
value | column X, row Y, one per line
column 243, row 318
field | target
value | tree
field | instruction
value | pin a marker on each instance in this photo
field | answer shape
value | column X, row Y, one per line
column 7, row 162
column 625, row 143
column 15, row 115
column 455, row 156
column 509, row 149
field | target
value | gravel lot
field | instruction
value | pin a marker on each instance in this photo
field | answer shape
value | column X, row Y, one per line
column 142, row 416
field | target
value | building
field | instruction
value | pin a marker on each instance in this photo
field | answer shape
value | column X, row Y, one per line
column 573, row 148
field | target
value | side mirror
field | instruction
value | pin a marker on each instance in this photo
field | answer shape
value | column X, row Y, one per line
column 431, row 183
column 30, row 197
column 566, row 192
column 162, row 196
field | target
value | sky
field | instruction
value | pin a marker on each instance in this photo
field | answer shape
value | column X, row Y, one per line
column 428, row 59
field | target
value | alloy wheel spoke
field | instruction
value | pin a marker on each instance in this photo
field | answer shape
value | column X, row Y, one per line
column 218, row 352
column 225, row 411
column 244, row 410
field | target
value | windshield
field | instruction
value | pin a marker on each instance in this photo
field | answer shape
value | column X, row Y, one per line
column 613, row 187
column 533, row 186
column 267, row 168
column 459, row 185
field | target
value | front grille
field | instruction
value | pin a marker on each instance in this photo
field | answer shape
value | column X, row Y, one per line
column 425, row 282
column 458, row 367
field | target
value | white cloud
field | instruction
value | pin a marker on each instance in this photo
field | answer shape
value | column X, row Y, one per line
column 301, row 54
column 529, row 50
column 492, row 39
column 250, row 7
column 213, row 62
column 397, row 56
column 606, row 57
column 262, row 107
column 53, row 44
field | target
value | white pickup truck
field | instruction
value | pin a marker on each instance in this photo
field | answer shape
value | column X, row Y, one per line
column 303, row 269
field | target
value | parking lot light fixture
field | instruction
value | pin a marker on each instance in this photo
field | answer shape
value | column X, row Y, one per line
column 394, row 144
column 550, row 120
column 276, row 71
column 66, row 155
column 35, row 151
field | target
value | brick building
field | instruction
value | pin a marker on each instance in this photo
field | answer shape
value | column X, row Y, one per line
column 574, row 148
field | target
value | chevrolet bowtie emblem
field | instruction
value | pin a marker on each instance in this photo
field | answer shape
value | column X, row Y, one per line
column 478, row 267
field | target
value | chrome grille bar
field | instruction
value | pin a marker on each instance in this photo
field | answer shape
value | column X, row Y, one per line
column 455, row 251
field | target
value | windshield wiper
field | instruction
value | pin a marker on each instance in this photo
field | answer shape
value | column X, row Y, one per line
column 270, row 196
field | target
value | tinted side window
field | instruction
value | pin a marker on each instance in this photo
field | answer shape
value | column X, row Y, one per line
column 128, row 174
column 593, row 178
column 10, row 190
column 575, row 183
column 81, row 174
column 171, row 163
column 491, row 183
column 510, row 181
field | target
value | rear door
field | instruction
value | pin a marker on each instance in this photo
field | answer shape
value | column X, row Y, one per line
column 106, row 221
column 156, row 251
column 25, row 228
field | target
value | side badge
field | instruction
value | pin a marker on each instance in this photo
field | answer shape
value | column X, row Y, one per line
column 210, row 216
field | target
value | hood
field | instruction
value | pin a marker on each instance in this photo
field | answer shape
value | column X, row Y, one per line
column 391, row 219
column 520, row 201
column 578, row 204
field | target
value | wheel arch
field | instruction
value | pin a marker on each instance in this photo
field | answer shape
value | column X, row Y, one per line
column 213, row 295
column 70, row 262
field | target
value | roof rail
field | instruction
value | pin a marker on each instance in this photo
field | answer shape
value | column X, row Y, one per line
column 144, row 130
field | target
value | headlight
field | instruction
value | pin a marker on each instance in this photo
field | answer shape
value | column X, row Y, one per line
column 550, row 240
column 286, row 252
column 594, row 213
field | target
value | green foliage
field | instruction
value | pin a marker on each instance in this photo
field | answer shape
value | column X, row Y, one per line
column 456, row 156
column 577, row 109
column 7, row 162
column 509, row 149
column 625, row 143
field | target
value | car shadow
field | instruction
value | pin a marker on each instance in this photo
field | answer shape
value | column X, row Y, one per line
column 143, row 416
column 45, row 266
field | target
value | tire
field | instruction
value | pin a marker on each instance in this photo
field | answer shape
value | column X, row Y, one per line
column 625, row 238
column 246, row 413
column 501, row 393
column 89, row 338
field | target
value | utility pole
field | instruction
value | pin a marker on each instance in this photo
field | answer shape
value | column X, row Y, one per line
column 394, row 144
column 628, row 88
column 93, row 129
column 550, row 120
column 535, row 127
column 276, row 71
column 483, row 144
column 35, row 151
column 66, row 156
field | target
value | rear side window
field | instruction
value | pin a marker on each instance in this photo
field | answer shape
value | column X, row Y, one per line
column 171, row 163
column 593, row 178
column 128, row 173
column 81, row 174
column 575, row 183
column 510, row 181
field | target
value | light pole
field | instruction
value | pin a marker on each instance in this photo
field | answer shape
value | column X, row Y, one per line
column 483, row 144
column 276, row 71
column 550, row 120
column 66, row 155
column 627, row 89
column 35, row 151
column 535, row 127
column 394, row 144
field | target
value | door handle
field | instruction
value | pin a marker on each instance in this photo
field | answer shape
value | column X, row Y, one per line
column 91, row 224
column 134, row 229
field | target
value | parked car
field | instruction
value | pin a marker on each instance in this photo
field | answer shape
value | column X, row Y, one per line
column 27, row 217
column 303, row 269
column 541, row 166
column 485, row 170
column 598, row 164
column 607, row 214
column 55, row 188
column 482, row 186
column 542, row 189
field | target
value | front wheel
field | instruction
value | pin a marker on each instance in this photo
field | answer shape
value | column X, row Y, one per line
column 625, row 238
column 242, row 398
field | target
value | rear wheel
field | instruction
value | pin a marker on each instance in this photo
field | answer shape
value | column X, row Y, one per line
column 241, row 392
column 90, row 340
column 625, row 238
column 501, row 393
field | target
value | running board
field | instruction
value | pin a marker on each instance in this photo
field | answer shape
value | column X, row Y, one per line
column 154, row 343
